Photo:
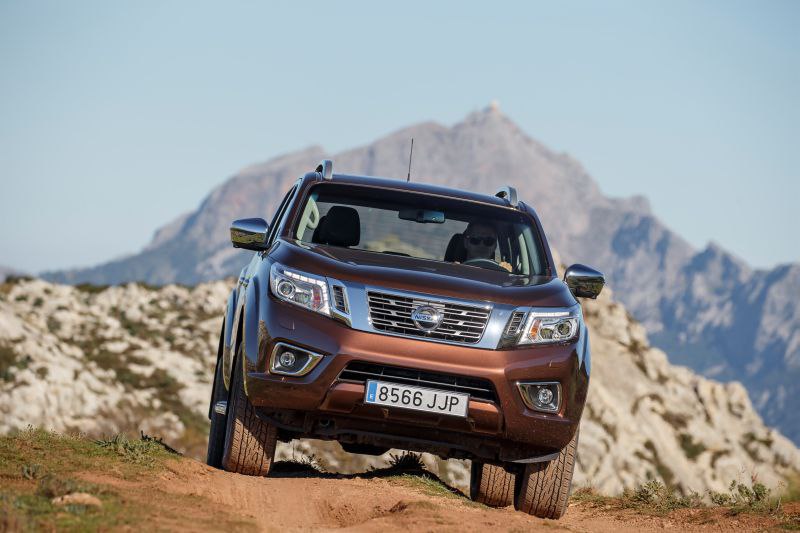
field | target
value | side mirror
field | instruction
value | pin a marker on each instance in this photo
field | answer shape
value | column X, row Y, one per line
column 584, row 281
column 249, row 233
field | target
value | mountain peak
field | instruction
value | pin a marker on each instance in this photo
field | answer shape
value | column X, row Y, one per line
column 714, row 252
column 488, row 114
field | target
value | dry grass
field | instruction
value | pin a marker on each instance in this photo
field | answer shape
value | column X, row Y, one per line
column 656, row 498
column 37, row 466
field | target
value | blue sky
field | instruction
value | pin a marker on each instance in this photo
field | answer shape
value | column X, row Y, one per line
column 115, row 117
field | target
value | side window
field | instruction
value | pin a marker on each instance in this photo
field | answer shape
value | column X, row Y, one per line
column 276, row 220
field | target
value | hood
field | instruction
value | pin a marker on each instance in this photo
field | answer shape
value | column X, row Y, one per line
column 423, row 275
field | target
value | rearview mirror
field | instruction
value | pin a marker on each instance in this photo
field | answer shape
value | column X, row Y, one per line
column 249, row 233
column 584, row 281
column 422, row 215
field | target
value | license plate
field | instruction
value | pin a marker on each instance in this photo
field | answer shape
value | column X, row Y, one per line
column 417, row 398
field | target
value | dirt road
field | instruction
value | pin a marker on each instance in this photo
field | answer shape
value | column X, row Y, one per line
column 189, row 495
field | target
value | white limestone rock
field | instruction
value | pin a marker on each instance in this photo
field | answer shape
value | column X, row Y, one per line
column 131, row 358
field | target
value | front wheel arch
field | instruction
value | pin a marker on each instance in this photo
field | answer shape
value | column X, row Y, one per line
column 220, row 349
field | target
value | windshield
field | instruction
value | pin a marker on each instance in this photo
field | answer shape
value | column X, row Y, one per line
column 421, row 226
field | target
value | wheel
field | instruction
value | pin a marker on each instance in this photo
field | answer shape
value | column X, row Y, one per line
column 216, row 433
column 491, row 485
column 542, row 489
column 249, row 441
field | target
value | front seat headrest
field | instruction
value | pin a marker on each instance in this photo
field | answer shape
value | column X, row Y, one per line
column 342, row 227
column 316, row 237
column 456, row 252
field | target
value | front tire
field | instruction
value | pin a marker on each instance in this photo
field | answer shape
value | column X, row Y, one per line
column 542, row 489
column 491, row 485
column 249, row 441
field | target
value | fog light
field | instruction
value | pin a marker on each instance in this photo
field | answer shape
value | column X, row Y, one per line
column 541, row 396
column 545, row 396
column 287, row 359
column 292, row 361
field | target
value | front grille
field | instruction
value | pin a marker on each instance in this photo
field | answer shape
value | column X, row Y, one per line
column 477, row 388
column 392, row 313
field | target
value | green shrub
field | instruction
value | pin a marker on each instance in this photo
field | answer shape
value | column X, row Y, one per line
column 9, row 359
column 52, row 486
column 32, row 471
column 53, row 324
column 406, row 462
column 90, row 288
column 656, row 496
column 141, row 451
column 691, row 448
column 741, row 497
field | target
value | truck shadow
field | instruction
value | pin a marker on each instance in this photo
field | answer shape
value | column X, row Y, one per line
column 407, row 468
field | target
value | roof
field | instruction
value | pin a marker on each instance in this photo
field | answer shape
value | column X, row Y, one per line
column 414, row 186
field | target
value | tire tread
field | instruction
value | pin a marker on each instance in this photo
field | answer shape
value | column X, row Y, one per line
column 250, row 442
column 492, row 485
column 543, row 488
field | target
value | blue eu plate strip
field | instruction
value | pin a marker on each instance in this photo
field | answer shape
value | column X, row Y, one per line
column 372, row 388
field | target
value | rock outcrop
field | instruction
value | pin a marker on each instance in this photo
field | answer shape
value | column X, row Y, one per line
column 133, row 357
column 648, row 418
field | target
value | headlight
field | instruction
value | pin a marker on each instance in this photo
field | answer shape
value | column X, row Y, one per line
column 300, row 288
column 546, row 326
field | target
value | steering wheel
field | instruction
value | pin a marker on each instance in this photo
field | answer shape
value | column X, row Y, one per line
column 485, row 263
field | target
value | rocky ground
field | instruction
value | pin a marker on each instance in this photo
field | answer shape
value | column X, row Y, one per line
column 129, row 358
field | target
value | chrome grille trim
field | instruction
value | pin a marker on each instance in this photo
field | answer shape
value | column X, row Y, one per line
column 339, row 300
column 390, row 312
column 514, row 324
column 359, row 316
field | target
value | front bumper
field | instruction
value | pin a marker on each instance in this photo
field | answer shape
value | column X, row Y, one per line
column 323, row 406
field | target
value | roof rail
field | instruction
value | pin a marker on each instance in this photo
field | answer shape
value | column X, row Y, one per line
column 509, row 194
column 325, row 168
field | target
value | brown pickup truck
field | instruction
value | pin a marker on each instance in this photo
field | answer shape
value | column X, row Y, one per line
column 385, row 314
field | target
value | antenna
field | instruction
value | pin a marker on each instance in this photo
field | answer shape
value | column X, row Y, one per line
column 410, row 155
